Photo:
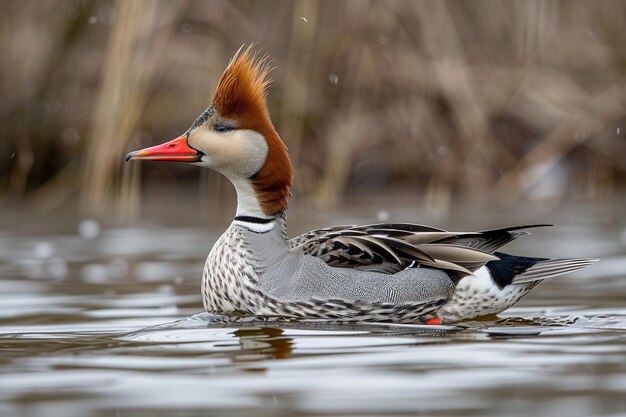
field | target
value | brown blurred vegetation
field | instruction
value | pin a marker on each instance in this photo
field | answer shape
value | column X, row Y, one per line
column 501, row 100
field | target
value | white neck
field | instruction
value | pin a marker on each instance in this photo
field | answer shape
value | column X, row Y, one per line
column 247, row 202
column 248, row 205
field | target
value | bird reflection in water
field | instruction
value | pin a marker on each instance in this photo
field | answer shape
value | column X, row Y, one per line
column 262, row 343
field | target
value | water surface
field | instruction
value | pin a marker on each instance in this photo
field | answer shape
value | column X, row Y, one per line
column 104, row 320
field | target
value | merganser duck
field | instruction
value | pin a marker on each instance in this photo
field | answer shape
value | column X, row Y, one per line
column 391, row 272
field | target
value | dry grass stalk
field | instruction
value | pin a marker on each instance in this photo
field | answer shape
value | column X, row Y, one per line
column 441, row 99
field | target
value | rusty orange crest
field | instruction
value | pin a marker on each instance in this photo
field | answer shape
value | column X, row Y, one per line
column 241, row 96
column 242, row 88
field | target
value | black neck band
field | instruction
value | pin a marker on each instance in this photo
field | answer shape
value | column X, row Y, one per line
column 252, row 219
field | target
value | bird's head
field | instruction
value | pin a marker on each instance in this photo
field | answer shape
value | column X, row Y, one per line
column 236, row 137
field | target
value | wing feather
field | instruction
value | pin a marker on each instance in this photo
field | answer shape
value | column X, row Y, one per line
column 391, row 247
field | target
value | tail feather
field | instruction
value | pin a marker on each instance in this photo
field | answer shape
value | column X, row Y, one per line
column 511, row 269
column 551, row 268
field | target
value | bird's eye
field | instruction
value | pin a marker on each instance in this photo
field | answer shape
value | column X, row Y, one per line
column 223, row 128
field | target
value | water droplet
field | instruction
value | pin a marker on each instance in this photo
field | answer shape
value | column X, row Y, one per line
column 89, row 229
column 13, row 154
column 333, row 78
column 382, row 40
column 304, row 19
column 93, row 20
column 618, row 130
column 95, row 273
column 382, row 215
column 43, row 250
column 442, row 150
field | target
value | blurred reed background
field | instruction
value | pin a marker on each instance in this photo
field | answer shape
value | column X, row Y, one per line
column 444, row 100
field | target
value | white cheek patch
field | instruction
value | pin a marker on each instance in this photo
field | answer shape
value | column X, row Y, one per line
column 252, row 152
column 237, row 153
